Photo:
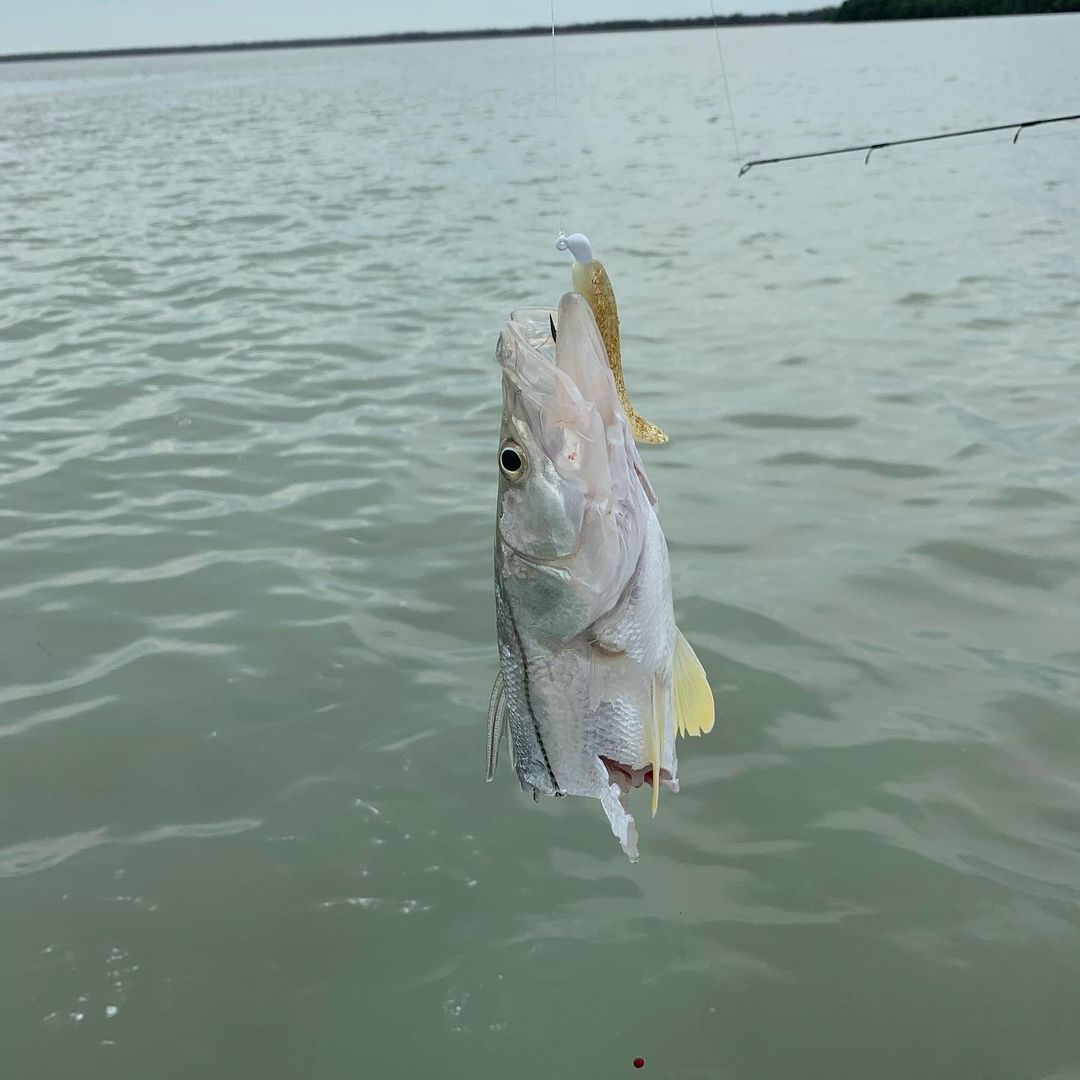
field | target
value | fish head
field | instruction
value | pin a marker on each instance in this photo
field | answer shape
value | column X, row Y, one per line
column 571, row 485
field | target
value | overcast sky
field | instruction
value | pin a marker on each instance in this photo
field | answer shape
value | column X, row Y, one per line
column 40, row 25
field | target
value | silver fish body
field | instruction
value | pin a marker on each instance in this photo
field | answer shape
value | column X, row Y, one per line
column 588, row 646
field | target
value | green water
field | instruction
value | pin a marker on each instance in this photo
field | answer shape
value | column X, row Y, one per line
column 248, row 415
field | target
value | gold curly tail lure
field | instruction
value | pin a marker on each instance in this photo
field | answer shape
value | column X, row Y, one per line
column 591, row 280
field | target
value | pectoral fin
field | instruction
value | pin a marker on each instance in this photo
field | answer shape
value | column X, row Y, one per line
column 694, row 708
column 496, row 724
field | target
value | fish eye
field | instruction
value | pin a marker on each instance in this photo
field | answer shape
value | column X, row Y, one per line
column 512, row 461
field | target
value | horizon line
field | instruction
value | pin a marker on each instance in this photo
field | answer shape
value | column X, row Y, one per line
column 408, row 37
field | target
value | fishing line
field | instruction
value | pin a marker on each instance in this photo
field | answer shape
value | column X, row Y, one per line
column 727, row 91
column 869, row 148
column 557, row 156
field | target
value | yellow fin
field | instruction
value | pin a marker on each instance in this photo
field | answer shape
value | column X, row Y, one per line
column 694, row 708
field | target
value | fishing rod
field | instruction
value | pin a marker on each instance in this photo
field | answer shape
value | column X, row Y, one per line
column 871, row 147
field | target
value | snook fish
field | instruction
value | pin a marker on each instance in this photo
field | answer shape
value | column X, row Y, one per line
column 595, row 678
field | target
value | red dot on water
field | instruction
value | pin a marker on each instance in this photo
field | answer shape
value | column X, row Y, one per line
column 638, row 1062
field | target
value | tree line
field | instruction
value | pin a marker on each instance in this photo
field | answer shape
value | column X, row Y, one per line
column 874, row 10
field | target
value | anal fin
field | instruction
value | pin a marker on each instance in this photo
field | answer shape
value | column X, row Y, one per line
column 695, row 710
column 656, row 737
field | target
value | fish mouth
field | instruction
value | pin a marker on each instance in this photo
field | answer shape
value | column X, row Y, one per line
column 533, row 326
column 627, row 777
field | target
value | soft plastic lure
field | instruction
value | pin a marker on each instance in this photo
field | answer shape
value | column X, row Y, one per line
column 592, row 281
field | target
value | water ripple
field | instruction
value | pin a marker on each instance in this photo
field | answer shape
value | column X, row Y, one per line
column 33, row 858
column 248, row 410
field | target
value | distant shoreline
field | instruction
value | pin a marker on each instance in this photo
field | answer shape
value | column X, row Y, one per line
column 826, row 14
column 848, row 11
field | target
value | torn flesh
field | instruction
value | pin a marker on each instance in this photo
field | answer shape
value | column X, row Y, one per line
column 616, row 780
